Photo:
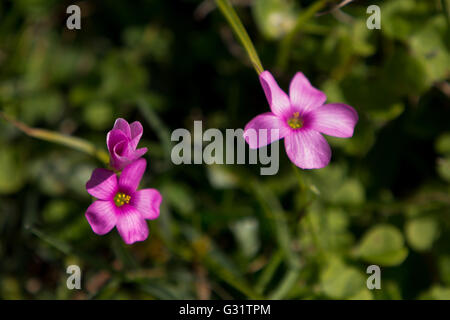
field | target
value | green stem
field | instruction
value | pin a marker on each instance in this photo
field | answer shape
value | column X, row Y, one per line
column 308, row 215
column 233, row 20
column 275, row 213
column 289, row 280
column 269, row 271
column 55, row 137
column 286, row 43
column 314, row 237
column 231, row 280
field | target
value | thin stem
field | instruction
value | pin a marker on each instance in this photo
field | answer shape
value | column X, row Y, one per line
column 275, row 212
column 51, row 136
column 336, row 7
column 269, row 271
column 286, row 43
column 311, row 228
column 314, row 237
column 235, row 23
column 286, row 284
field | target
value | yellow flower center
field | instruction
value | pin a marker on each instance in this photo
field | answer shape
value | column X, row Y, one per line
column 295, row 122
column 121, row 198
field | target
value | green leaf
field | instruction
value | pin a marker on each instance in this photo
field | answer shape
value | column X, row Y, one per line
column 405, row 73
column 364, row 294
column 443, row 168
column 335, row 186
column 340, row 281
column 351, row 192
column 444, row 269
column 12, row 169
column 98, row 115
column 400, row 18
column 383, row 245
column 429, row 46
column 437, row 293
column 442, row 144
column 421, row 233
column 275, row 18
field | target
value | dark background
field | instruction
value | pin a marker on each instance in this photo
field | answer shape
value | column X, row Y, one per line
column 225, row 231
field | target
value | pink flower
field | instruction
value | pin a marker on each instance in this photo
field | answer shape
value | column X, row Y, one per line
column 300, row 118
column 120, row 205
column 122, row 141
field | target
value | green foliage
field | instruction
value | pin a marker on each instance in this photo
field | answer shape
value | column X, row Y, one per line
column 224, row 230
column 340, row 281
column 12, row 169
column 383, row 245
column 275, row 17
column 421, row 233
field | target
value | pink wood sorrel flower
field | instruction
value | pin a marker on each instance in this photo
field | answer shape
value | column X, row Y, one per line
column 120, row 204
column 122, row 141
column 300, row 118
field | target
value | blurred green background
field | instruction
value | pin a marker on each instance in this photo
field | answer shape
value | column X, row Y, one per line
column 225, row 231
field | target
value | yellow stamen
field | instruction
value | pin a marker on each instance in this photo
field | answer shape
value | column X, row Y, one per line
column 121, row 198
column 295, row 122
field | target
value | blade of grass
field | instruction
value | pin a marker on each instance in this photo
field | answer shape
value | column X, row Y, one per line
column 269, row 271
column 289, row 280
column 66, row 249
column 238, row 28
column 275, row 212
column 55, row 137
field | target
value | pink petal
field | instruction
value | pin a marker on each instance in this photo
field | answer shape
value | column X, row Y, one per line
column 334, row 119
column 136, row 133
column 131, row 225
column 114, row 137
column 101, row 216
column 139, row 153
column 277, row 98
column 122, row 124
column 147, row 201
column 131, row 176
column 269, row 122
column 307, row 149
column 102, row 184
column 303, row 95
column 121, row 155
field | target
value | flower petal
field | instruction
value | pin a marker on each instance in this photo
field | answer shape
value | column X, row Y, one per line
column 147, row 201
column 101, row 216
column 277, row 98
column 139, row 153
column 122, row 125
column 131, row 225
column 136, row 133
column 102, row 184
column 121, row 155
column 307, row 149
column 114, row 137
column 334, row 119
column 131, row 176
column 274, row 127
column 303, row 95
